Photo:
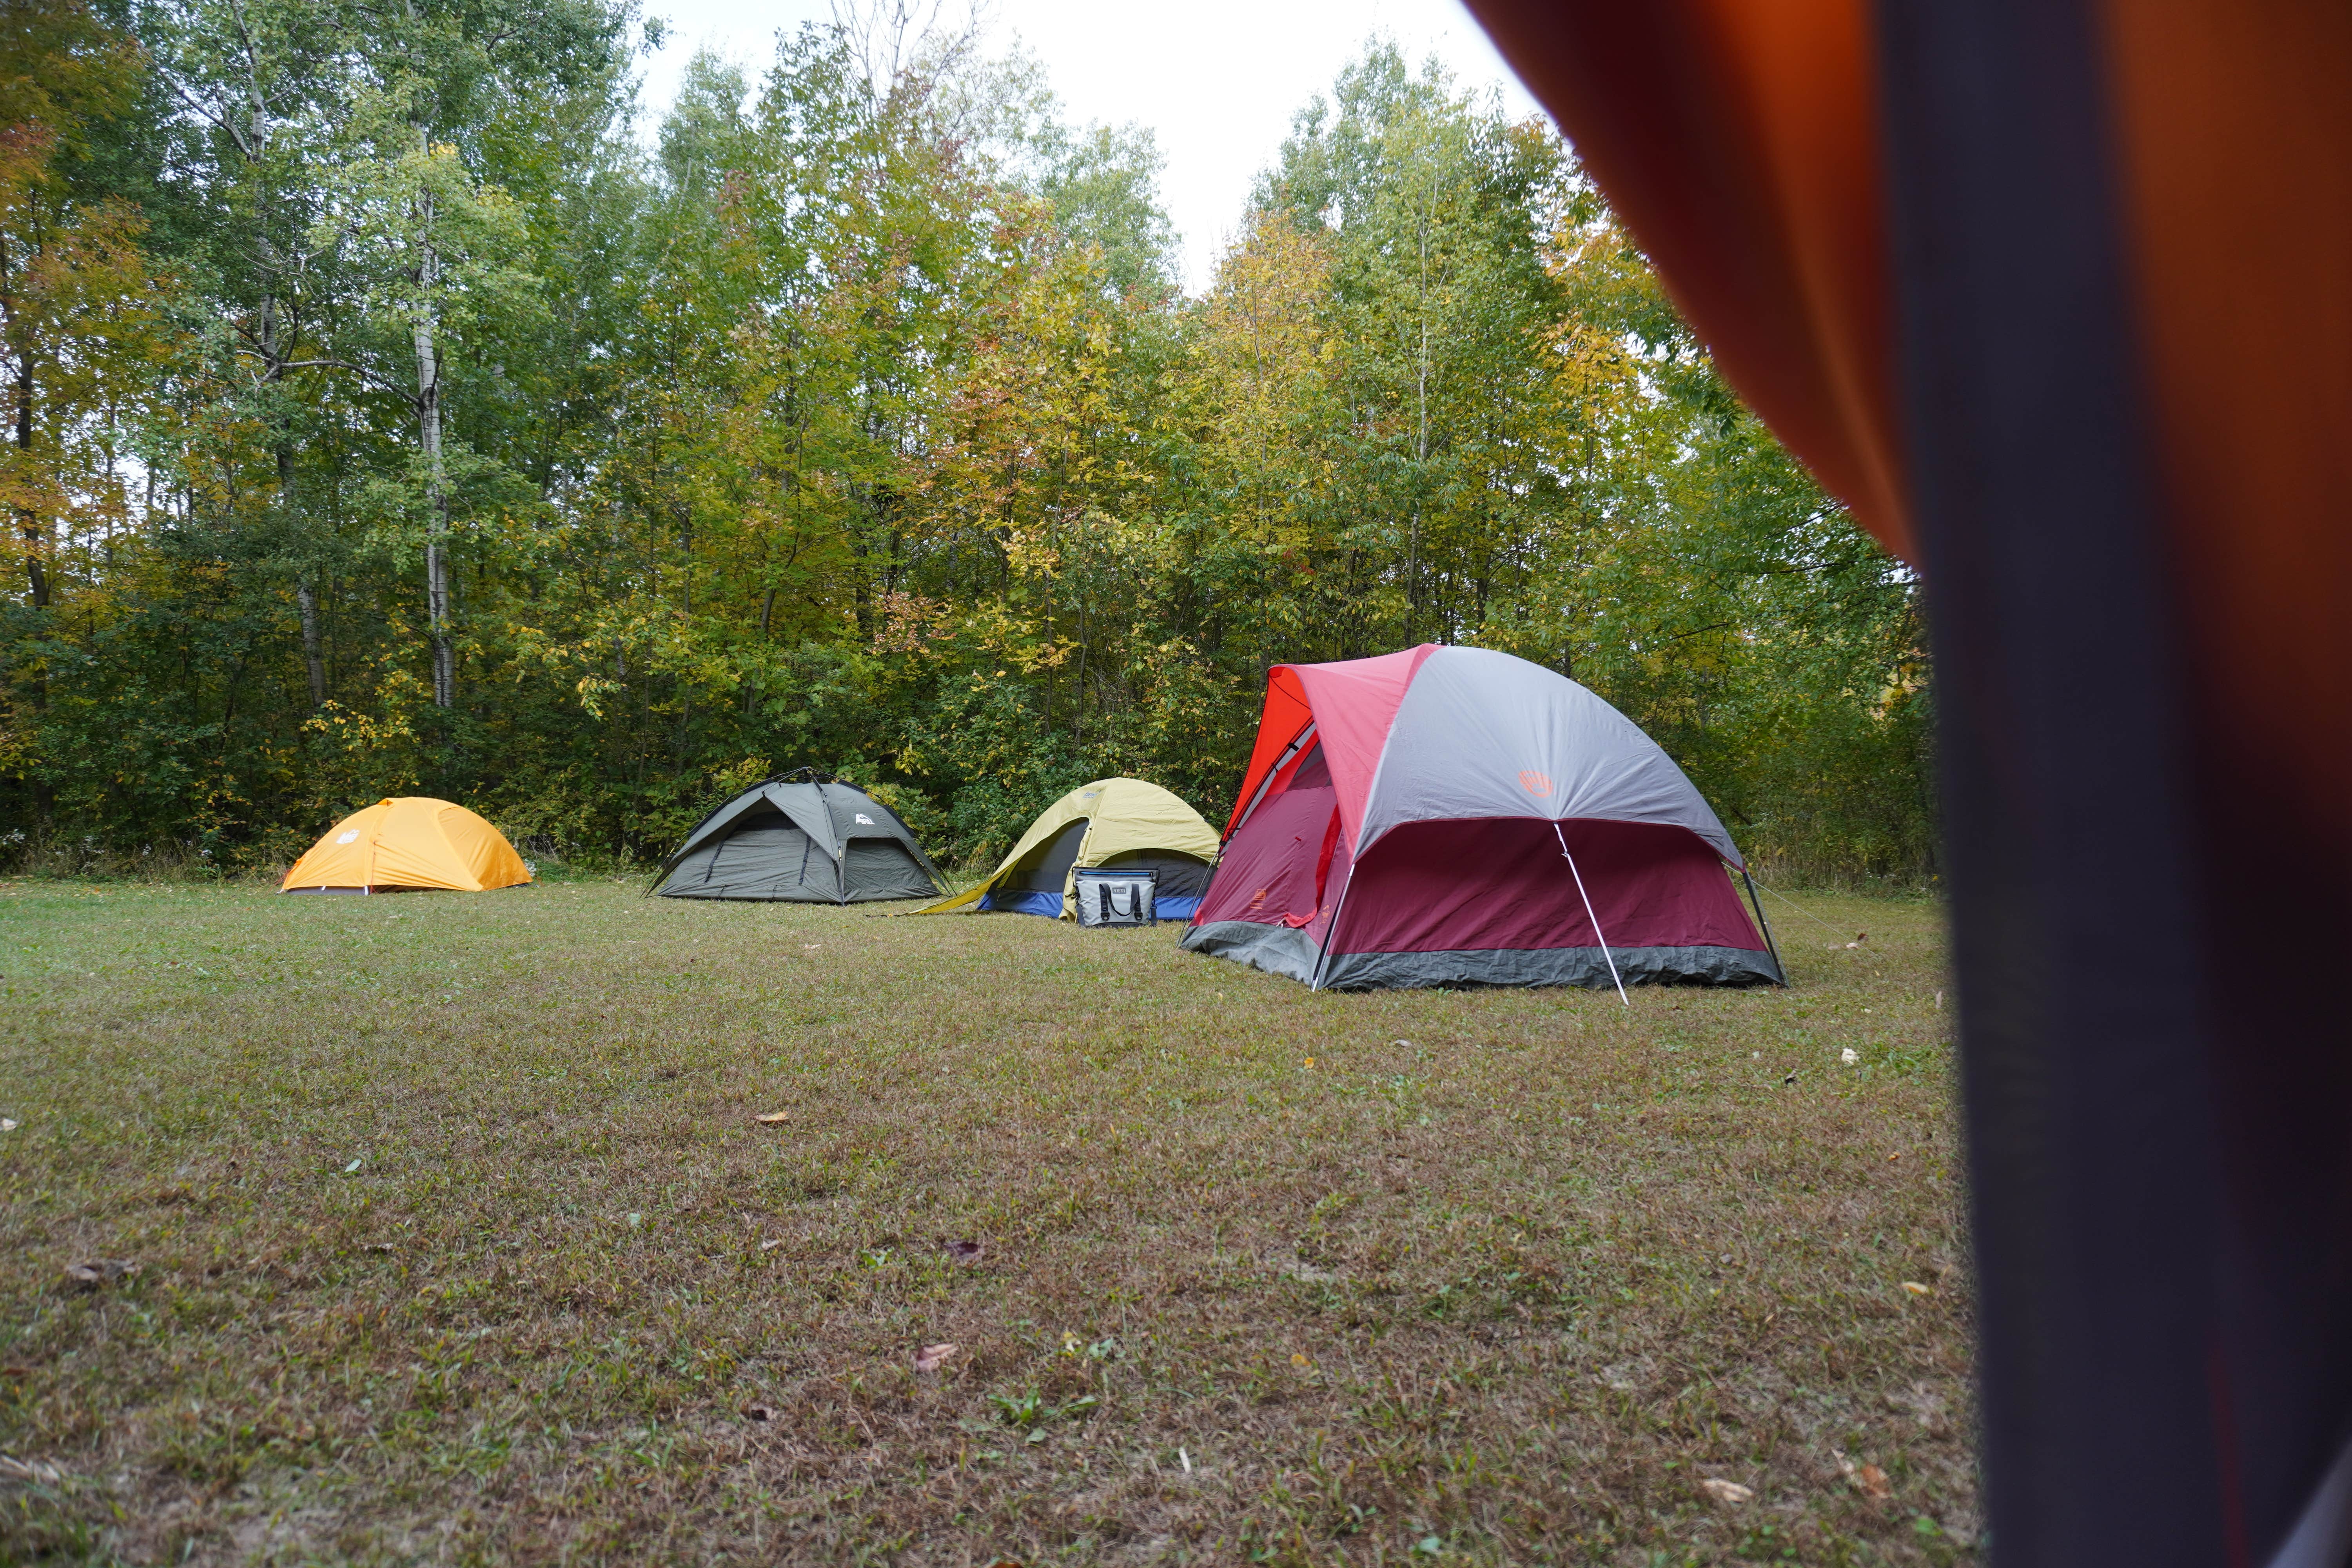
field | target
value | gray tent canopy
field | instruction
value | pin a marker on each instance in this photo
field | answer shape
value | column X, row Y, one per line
column 801, row 838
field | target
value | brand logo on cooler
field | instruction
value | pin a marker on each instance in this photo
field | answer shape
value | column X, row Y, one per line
column 350, row 838
column 866, row 819
column 1534, row 782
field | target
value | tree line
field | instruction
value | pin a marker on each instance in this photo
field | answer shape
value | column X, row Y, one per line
column 394, row 408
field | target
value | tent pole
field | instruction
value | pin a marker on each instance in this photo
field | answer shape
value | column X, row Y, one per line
column 1580, row 894
column 840, row 856
column 1331, row 932
column 1766, row 926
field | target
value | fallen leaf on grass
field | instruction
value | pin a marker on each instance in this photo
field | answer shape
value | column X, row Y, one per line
column 771, row 1118
column 758, row 1413
column 1726, row 1492
column 1867, row 1480
column 16, row 1469
column 965, row 1252
column 930, row 1358
column 771, row 1244
column 1916, row 1288
column 95, row 1271
column 7, row 1124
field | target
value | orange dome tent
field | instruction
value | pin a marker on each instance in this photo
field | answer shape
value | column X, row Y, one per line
column 412, row 842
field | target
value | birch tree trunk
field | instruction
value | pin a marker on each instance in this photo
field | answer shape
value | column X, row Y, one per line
column 30, row 525
column 436, row 494
column 306, row 597
column 1420, row 454
column 275, row 341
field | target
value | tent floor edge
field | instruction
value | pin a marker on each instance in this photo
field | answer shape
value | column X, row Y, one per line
column 1288, row 951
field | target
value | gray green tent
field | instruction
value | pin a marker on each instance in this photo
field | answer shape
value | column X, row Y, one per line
column 801, row 837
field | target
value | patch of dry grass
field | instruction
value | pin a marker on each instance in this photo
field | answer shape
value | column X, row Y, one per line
column 457, row 1239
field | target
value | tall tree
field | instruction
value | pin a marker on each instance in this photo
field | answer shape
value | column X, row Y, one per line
column 417, row 210
column 265, row 96
column 78, row 326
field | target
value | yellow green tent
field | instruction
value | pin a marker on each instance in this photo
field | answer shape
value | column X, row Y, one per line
column 1122, row 823
column 414, row 841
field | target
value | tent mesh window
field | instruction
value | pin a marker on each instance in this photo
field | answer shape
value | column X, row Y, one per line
column 1116, row 898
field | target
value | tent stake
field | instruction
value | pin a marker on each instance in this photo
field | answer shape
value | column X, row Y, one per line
column 1769, row 945
column 1580, row 894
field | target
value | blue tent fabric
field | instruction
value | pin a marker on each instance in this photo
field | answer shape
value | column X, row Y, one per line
column 1017, row 901
column 1024, row 902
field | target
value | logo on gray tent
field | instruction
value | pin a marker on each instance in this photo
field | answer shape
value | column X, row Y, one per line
column 866, row 819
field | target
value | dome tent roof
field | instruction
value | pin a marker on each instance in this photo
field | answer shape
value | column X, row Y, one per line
column 410, row 841
column 1437, row 734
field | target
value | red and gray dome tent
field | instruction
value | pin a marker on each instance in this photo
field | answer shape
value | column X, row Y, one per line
column 1453, row 815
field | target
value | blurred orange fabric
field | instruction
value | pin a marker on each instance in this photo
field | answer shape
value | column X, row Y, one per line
column 1741, row 143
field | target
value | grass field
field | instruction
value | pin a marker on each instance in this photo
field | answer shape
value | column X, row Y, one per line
column 457, row 1239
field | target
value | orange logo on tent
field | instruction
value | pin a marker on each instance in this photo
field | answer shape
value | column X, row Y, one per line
column 1534, row 782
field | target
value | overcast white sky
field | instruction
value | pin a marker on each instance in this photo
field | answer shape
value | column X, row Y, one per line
column 1217, row 80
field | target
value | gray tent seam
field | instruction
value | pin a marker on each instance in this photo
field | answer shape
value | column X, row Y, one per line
column 1597, row 933
column 1766, row 926
column 1331, row 932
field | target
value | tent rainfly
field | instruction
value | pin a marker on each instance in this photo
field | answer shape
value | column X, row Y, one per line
column 411, row 842
column 1453, row 815
column 1122, row 823
column 800, row 837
